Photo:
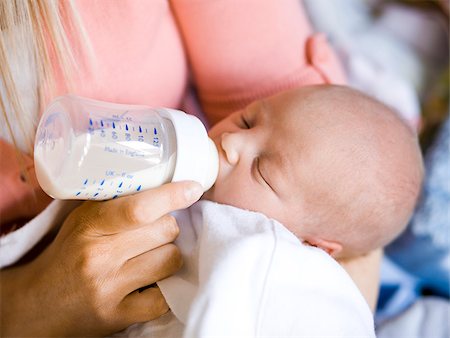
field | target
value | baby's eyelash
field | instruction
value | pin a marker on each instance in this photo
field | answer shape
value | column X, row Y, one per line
column 244, row 122
column 258, row 169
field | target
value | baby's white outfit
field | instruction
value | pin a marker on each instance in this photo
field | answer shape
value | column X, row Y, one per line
column 246, row 275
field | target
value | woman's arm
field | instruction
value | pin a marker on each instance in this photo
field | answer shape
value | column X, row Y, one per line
column 86, row 281
column 365, row 272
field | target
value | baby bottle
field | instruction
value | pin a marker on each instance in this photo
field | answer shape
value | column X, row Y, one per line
column 88, row 149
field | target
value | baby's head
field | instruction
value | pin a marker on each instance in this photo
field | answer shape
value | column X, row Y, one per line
column 337, row 168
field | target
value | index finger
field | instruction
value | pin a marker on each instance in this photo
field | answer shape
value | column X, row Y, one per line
column 146, row 207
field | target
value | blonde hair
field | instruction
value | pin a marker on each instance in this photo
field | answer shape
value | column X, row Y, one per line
column 32, row 32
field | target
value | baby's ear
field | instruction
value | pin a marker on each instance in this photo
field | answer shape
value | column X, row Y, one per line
column 331, row 247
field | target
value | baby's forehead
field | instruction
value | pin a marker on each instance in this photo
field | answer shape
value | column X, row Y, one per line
column 317, row 139
column 324, row 130
column 328, row 115
column 305, row 127
column 343, row 146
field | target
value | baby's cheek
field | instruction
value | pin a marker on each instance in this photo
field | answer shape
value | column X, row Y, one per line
column 218, row 193
column 208, row 195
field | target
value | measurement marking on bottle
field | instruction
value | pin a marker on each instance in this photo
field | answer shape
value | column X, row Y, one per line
column 139, row 188
column 126, row 127
column 114, row 125
column 95, row 194
column 85, row 182
column 101, row 123
column 155, row 131
column 101, row 183
column 140, row 129
column 115, row 196
column 120, row 185
column 78, row 193
column 90, row 122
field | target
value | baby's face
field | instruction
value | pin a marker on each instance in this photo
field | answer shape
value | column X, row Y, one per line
column 275, row 157
column 327, row 162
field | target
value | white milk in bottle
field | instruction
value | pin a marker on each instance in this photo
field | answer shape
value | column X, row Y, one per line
column 87, row 149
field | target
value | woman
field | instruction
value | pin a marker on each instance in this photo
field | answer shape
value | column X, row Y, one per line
column 91, row 279
column 85, row 281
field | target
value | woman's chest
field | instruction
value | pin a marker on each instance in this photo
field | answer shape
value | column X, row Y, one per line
column 137, row 51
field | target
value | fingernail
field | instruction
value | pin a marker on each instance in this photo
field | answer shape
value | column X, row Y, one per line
column 193, row 192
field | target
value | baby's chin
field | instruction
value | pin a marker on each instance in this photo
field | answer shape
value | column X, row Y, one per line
column 209, row 194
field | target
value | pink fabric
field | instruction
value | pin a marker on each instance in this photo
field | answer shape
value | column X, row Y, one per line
column 242, row 50
column 139, row 57
column 239, row 51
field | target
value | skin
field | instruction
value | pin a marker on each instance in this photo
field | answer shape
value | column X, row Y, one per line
column 292, row 137
column 105, row 251
column 102, row 254
column 257, row 160
column 365, row 272
column 312, row 157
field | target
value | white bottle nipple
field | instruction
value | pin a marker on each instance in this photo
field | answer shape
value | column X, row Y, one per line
column 197, row 156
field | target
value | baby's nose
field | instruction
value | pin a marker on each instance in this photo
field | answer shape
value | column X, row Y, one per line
column 230, row 145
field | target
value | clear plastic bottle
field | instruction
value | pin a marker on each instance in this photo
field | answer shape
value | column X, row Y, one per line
column 88, row 149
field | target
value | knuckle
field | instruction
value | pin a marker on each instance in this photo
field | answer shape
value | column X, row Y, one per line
column 158, row 304
column 171, row 227
column 161, row 306
column 78, row 216
column 86, row 217
column 101, row 311
column 91, row 262
column 130, row 209
column 87, row 264
column 97, row 294
column 175, row 259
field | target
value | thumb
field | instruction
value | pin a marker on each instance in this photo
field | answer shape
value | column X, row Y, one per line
column 133, row 211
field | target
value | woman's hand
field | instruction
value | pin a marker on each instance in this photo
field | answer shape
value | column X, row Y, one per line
column 86, row 281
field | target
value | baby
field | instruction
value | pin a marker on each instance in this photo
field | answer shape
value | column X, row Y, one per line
column 340, row 170
column 326, row 165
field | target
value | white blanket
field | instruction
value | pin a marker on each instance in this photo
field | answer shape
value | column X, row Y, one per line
column 245, row 275
column 17, row 243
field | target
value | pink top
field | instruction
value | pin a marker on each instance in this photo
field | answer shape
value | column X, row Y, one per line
column 139, row 56
column 242, row 50
column 239, row 51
